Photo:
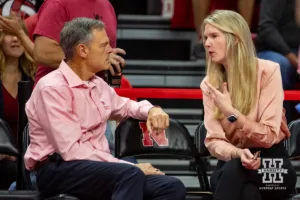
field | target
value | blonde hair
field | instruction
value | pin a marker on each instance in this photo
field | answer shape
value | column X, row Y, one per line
column 241, row 74
column 26, row 62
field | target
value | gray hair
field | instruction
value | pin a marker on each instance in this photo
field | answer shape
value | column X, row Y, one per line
column 77, row 31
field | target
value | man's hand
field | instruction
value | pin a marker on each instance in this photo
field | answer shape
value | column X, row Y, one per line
column 248, row 159
column 11, row 26
column 293, row 59
column 157, row 120
column 117, row 61
column 148, row 169
column 7, row 157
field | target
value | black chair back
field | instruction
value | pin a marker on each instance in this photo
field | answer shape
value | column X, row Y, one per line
column 132, row 139
column 200, row 135
column 7, row 144
column 24, row 93
column 292, row 144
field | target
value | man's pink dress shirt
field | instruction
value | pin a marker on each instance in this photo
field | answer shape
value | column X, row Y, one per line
column 68, row 116
column 266, row 123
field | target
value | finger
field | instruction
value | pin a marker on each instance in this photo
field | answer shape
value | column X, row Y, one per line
column 211, row 88
column 119, row 51
column 121, row 61
column 160, row 124
column 225, row 88
column 213, row 96
column 158, row 172
column 149, row 125
column 4, row 26
column 167, row 121
column 118, row 60
column 114, row 61
column 256, row 164
column 154, row 124
column 247, row 166
column 111, row 70
column 249, row 154
column 14, row 15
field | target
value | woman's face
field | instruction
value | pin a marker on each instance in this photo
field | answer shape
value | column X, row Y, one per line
column 11, row 46
column 215, row 44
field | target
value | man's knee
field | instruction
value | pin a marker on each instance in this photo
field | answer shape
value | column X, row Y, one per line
column 175, row 185
column 133, row 173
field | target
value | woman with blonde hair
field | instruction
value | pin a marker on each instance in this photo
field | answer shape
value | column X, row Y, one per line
column 15, row 65
column 243, row 114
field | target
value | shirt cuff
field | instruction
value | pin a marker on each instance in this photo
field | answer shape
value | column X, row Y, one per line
column 145, row 110
column 125, row 162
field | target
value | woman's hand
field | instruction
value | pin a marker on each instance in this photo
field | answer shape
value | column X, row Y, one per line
column 11, row 26
column 248, row 159
column 221, row 99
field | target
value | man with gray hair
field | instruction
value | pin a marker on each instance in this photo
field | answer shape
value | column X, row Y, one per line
column 67, row 115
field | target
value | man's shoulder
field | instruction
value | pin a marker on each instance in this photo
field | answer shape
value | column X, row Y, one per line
column 53, row 79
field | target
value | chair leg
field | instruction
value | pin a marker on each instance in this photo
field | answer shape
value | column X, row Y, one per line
column 202, row 174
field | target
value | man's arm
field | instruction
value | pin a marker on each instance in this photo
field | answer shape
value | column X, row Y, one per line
column 297, row 12
column 51, row 18
column 245, row 8
column 50, row 56
column 200, row 9
column 54, row 110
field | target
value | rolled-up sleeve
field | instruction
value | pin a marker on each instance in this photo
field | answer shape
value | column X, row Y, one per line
column 215, row 141
column 124, row 107
column 266, row 130
column 57, row 119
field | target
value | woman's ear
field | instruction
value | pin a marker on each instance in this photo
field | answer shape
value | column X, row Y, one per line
column 236, row 40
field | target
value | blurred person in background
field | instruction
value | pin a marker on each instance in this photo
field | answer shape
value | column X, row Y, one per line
column 16, row 65
column 278, row 40
column 191, row 13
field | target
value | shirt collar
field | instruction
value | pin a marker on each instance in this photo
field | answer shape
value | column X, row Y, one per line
column 71, row 77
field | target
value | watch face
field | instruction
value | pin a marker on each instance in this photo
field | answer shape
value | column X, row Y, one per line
column 232, row 118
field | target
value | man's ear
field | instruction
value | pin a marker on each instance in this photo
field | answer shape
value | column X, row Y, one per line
column 82, row 50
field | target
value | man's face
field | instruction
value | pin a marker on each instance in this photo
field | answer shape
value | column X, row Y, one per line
column 98, row 52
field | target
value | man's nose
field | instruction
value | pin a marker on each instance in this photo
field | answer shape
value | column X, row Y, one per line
column 109, row 49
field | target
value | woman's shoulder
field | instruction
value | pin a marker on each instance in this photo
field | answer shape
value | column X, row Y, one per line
column 267, row 69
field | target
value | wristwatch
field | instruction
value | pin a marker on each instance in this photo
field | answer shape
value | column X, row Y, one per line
column 232, row 118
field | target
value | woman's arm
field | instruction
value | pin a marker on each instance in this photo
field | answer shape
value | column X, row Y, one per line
column 216, row 141
column 265, row 132
column 26, row 42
